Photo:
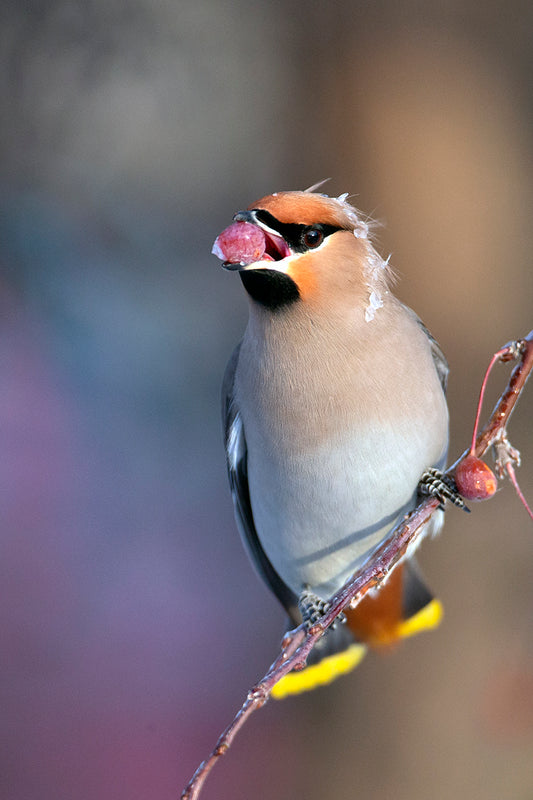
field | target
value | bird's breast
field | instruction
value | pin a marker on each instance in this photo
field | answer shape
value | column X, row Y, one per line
column 337, row 441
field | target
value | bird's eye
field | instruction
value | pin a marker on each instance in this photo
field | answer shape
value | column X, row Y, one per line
column 313, row 237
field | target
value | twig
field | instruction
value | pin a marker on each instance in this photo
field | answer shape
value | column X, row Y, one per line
column 509, row 468
column 496, row 426
column 298, row 643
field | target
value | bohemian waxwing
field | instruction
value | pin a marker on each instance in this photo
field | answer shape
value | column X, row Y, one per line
column 334, row 406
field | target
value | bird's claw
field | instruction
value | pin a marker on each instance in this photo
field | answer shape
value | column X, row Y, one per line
column 435, row 483
column 312, row 608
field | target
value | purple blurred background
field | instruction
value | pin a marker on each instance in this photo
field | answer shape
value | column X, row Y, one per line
column 131, row 622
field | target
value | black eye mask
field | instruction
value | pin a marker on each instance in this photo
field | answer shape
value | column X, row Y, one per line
column 300, row 238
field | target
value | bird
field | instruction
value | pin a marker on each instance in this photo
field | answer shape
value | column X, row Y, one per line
column 334, row 408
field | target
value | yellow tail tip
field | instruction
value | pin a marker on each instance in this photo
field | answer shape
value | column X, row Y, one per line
column 425, row 619
column 334, row 666
column 319, row 674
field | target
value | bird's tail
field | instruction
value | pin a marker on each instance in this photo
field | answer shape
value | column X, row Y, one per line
column 401, row 607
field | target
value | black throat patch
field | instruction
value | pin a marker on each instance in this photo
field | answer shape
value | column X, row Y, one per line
column 270, row 288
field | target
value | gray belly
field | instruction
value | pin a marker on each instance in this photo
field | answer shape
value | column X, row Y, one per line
column 320, row 513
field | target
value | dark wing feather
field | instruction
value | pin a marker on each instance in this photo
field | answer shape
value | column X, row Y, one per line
column 416, row 594
column 439, row 359
column 236, row 460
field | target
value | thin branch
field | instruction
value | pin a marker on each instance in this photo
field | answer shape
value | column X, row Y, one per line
column 495, row 428
column 509, row 468
column 298, row 643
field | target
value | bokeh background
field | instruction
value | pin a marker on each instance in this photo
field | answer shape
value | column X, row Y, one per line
column 131, row 623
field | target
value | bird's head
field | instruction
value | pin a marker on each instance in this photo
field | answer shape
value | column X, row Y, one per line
column 302, row 246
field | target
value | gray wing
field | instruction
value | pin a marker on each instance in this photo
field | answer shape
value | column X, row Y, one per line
column 236, row 460
column 439, row 359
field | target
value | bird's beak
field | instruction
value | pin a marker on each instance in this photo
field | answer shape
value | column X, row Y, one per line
column 247, row 244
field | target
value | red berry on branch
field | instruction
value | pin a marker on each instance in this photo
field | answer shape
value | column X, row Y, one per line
column 474, row 479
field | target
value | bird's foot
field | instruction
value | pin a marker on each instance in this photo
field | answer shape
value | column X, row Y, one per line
column 436, row 484
column 312, row 608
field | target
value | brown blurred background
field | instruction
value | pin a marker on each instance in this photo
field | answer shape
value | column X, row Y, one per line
column 131, row 622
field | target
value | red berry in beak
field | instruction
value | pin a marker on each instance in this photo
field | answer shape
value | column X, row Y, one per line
column 241, row 243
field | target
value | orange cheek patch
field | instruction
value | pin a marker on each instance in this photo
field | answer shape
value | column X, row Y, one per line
column 304, row 278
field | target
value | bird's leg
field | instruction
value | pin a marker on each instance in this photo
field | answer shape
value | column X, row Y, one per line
column 436, row 484
column 312, row 608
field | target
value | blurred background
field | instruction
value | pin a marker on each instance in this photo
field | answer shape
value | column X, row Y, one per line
column 131, row 623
